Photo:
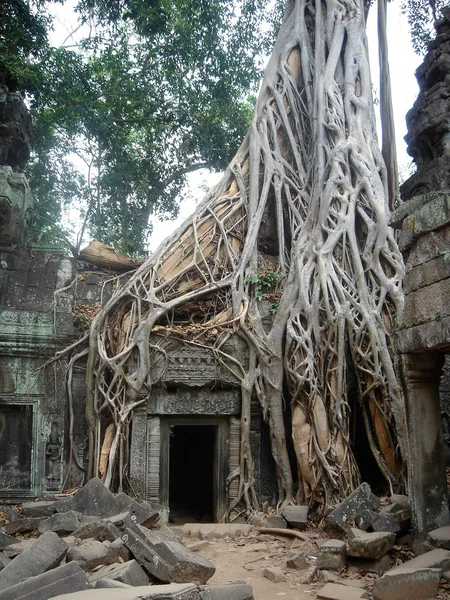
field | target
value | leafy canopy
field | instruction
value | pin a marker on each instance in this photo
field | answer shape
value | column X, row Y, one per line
column 154, row 91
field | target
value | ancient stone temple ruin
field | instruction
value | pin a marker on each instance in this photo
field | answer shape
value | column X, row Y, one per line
column 185, row 439
column 424, row 332
column 35, row 321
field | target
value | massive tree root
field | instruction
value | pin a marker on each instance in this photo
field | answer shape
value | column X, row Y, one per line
column 299, row 217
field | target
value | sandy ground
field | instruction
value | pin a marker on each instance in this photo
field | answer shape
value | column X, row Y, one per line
column 245, row 559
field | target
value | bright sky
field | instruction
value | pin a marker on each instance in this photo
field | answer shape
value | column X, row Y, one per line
column 403, row 63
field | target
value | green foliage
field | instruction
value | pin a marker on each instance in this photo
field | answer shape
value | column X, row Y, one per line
column 264, row 279
column 421, row 15
column 157, row 90
column 23, row 38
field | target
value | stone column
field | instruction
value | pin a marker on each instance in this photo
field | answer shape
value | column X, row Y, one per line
column 426, row 466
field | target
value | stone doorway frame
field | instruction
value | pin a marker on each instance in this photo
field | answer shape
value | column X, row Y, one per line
column 220, row 459
column 36, row 469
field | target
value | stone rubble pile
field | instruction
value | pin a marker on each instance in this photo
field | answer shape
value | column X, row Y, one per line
column 97, row 545
column 364, row 536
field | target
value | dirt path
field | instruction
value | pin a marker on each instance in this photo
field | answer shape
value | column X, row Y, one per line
column 246, row 558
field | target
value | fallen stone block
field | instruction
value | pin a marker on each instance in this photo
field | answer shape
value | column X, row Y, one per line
column 91, row 554
column 18, row 547
column 380, row 565
column 335, row 591
column 230, row 591
column 105, row 531
column 330, row 577
column 410, row 584
column 275, row 574
column 369, row 545
column 46, row 553
column 93, row 499
column 60, row 523
column 276, row 521
column 400, row 500
column 296, row 516
column 172, row 591
column 17, row 524
column 100, row 584
column 166, row 558
column 4, row 560
column 370, row 520
column 332, row 555
column 62, row 580
column 296, row 560
column 42, row 508
column 129, row 572
column 210, row 531
column 435, row 559
column 6, row 540
column 305, row 576
column 121, row 549
column 337, row 522
column 440, row 538
column 401, row 513
column 140, row 513
column 123, row 502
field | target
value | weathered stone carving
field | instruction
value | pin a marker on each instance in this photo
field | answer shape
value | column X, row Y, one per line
column 53, row 459
column 428, row 121
column 15, row 129
column 200, row 402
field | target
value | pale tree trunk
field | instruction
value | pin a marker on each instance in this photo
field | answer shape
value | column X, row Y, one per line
column 300, row 216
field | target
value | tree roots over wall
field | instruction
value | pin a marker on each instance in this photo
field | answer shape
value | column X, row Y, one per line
column 300, row 217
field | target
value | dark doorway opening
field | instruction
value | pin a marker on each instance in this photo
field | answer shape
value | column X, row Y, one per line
column 191, row 473
column 368, row 466
column 16, row 432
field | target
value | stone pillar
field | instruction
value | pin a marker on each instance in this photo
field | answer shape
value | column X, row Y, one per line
column 426, row 465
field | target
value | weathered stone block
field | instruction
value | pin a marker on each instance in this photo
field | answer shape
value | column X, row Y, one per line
column 129, row 572
column 173, row 591
column 435, row 559
column 18, row 547
column 93, row 499
column 440, row 538
column 335, row 591
column 4, row 560
column 6, row 540
column 370, row 520
column 296, row 516
column 361, row 499
column 429, row 303
column 413, row 584
column 60, row 523
column 62, row 580
column 231, row 591
column 277, row 521
column 46, row 553
column 42, row 508
column 166, row 558
column 20, row 525
column 103, row 531
column 369, row 545
column 208, row 531
column 275, row 574
column 296, row 560
column 400, row 500
column 100, row 584
column 90, row 554
column 332, row 555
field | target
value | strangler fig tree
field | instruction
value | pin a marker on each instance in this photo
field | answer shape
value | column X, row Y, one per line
column 300, row 217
